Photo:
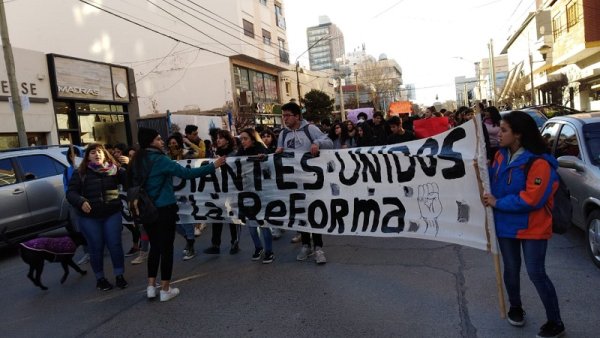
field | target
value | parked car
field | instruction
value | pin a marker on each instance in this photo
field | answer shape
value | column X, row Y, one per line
column 575, row 142
column 542, row 113
column 32, row 198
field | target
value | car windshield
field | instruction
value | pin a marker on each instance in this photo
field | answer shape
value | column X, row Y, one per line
column 591, row 132
column 537, row 117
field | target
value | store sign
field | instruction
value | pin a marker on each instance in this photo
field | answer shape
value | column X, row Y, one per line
column 80, row 79
column 78, row 90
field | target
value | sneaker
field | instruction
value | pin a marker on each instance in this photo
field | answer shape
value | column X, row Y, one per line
column 121, row 282
column 276, row 233
column 516, row 316
column 305, row 252
column 103, row 284
column 320, row 256
column 132, row 251
column 84, row 259
column 257, row 254
column 189, row 254
column 551, row 329
column 141, row 258
column 168, row 295
column 297, row 238
column 213, row 250
column 151, row 291
column 234, row 249
column 269, row 257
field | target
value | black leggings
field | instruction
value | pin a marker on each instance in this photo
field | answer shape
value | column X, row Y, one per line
column 162, row 235
column 135, row 233
column 217, row 229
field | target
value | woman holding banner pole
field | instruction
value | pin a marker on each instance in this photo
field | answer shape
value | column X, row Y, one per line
column 521, row 200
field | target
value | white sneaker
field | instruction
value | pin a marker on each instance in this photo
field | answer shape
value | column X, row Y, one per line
column 151, row 291
column 84, row 259
column 276, row 233
column 305, row 252
column 320, row 256
column 141, row 258
column 168, row 295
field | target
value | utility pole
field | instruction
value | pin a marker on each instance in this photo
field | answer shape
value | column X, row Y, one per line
column 492, row 71
column 342, row 113
column 356, row 87
column 297, row 83
column 531, row 79
column 9, row 60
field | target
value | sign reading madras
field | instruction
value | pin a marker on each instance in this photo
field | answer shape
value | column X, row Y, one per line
column 78, row 90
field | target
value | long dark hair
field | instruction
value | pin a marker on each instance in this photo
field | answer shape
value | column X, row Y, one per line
column 222, row 133
column 523, row 124
column 343, row 136
column 107, row 157
column 494, row 115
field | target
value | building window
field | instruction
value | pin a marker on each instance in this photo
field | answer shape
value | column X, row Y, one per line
column 248, row 28
column 279, row 16
column 284, row 56
column 266, row 37
column 557, row 29
column 263, row 2
column 288, row 89
column 572, row 15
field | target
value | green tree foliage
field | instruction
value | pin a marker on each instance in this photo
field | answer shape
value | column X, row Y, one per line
column 318, row 104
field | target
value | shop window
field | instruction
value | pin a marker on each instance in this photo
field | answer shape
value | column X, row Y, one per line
column 102, row 128
column 248, row 28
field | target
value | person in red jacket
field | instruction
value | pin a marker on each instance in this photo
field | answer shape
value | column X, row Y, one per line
column 522, row 205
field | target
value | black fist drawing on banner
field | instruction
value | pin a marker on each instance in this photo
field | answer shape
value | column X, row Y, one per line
column 430, row 205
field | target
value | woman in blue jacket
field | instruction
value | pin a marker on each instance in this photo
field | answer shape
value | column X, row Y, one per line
column 151, row 162
column 522, row 205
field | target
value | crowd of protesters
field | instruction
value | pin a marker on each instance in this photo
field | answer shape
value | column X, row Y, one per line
column 511, row 141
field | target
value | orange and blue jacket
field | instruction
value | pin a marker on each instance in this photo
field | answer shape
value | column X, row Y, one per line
column 523, row 204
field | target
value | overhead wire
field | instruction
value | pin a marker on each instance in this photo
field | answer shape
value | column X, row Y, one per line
column 158, row 64
column 151, row 29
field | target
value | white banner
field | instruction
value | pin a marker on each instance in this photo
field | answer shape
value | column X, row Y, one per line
column 429, row 189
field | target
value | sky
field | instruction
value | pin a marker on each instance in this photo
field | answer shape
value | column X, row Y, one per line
column 432, row 40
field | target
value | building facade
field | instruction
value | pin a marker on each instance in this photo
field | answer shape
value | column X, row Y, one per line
column 206, row 56
column 554, row 56
column 325, row 44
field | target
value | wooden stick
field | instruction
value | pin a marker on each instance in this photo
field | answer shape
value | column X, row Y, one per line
column 499, row 285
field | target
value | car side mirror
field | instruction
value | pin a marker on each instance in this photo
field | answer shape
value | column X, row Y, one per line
column 571, row 162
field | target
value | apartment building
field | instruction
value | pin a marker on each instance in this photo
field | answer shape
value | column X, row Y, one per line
column 325, row 44
column 206, row 55
column 554, row 56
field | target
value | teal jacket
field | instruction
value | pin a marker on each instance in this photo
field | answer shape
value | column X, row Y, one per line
column 159, row 184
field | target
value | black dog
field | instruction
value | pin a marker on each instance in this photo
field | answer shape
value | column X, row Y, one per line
column 60, row 249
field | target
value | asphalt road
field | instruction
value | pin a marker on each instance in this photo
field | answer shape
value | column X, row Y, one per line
column 370, row 287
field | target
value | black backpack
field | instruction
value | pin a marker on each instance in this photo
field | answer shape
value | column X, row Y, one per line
column 141, row 206
column 562, row 211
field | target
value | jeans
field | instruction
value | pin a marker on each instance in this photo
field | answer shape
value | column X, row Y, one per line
column 534, row 253
column 100, row 232
column 186, row 230
column 267, row 237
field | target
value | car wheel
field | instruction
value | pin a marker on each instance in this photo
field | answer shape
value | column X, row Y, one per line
column 593, row 236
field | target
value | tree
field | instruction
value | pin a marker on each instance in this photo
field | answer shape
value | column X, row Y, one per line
column 383, row 78
column 318, row 104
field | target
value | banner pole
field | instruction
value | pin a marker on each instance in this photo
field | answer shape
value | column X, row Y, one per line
column 499, row 285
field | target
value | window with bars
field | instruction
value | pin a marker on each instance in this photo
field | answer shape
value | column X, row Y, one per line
column 572, row 14
column 248, row 28
column 557, row 29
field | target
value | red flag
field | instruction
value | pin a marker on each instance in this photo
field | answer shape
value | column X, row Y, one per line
column 431, row 126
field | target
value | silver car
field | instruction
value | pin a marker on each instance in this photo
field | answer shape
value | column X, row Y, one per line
column 575, row 142
column 32, row 198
